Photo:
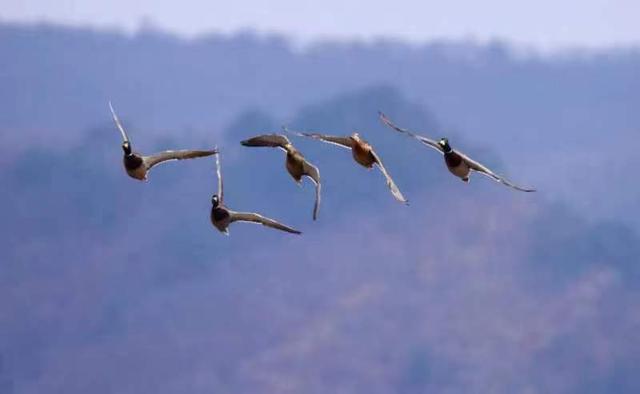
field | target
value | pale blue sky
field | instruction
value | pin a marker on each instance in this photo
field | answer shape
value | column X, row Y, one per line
column 545, row 24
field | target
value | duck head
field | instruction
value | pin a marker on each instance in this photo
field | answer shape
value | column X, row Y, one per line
column 444, row 144
column 215, row 200
column 126, row 147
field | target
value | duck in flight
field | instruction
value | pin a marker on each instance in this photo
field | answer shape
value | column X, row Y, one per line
column 296, row 164
column 457, row 162
column 222, row 217
column 363, row 153
column 137, row 165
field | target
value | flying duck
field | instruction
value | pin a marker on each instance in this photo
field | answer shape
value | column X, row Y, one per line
column 222, row 217
column 362, row 152
column 137, row 165
column 457, row 162
column 296, row 164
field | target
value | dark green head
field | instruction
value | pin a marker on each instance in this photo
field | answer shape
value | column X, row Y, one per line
column 444, row 144
column 126, row 147
column 215, row 201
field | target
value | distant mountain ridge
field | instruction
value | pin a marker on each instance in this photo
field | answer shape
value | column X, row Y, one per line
column 65, row 75
column 112, row 285
column 560, row 122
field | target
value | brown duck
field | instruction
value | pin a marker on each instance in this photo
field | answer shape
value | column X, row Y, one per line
column 457, row 162
column 363, row 153
column 296, row 164
column 137, row 165
column 222, row 217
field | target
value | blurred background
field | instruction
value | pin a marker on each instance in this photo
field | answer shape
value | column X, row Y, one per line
column 108, row 285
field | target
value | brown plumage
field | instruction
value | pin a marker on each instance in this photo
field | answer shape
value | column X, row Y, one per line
column 362, row 152
column 296, row 164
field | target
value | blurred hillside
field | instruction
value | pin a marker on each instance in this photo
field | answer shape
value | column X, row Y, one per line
column 111, row 285
column 559, row 119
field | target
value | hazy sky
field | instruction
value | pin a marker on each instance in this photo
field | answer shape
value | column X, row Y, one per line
column 546, row 24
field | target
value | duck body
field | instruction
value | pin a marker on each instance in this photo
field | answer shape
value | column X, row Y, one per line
column 457, row 165
column 457, row 162
column 361, row 152
column 134, row 165
column 295, row 164
column 137, row 166
column 220, row 218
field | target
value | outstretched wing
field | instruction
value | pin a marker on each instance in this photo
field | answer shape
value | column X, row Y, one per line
column 344, row 142
column 312, row 172
column 125, row 138
column 390, row 183
column 482, row 169
column 256, row 218
column 168, row 155
column 427, row 141
column 220, row 184
column 270, row 140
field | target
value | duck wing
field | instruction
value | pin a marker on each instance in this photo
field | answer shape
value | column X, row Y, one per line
column 344, row 142
column 116, row 120
column 484, row 170
column 427, row 141
column 390, row 183
column 269, row 140
column 313, row 173
column 256, row 218
column 169, row 155
column 220, row 183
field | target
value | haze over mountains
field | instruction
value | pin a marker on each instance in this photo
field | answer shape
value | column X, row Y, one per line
column 108, row 285
column 571, row 111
